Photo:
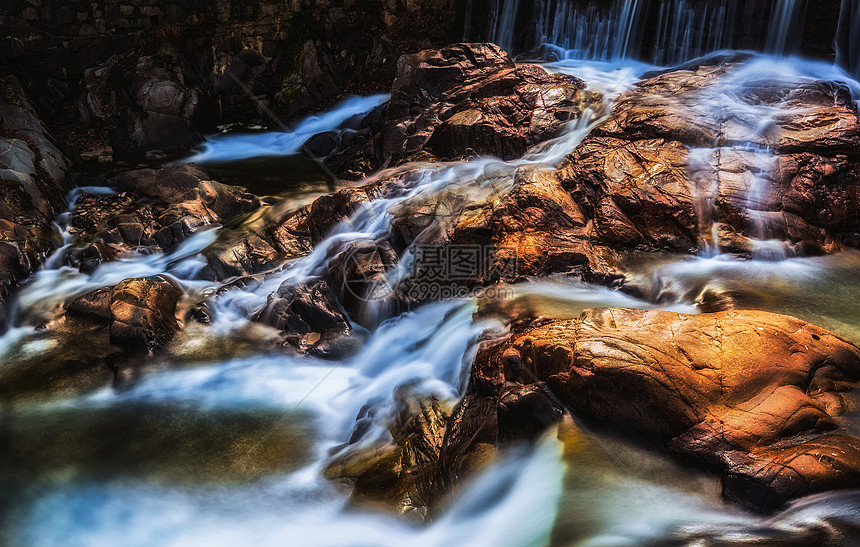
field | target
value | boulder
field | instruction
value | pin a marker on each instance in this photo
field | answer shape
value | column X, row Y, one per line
column 716, row 156
column 463, row 100
column 139, row 314
column 307, row 314
column 33, row 184
column 143, row 313
column 754, row 394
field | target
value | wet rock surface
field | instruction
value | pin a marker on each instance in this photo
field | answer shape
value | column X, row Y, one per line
column 33, row 184
column 756, row 395
column 309, row 317
column 398, row 476
column 761, row 398
column 762, row 156
column 156, row 209
column 465, row 100
column 139, row 314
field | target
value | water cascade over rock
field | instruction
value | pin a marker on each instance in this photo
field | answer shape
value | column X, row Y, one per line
column 665, row 32
column 593, row 284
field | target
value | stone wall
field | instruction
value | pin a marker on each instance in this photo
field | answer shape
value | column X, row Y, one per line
column 294, row 54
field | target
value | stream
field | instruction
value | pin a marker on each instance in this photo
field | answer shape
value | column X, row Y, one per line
column 227, row 444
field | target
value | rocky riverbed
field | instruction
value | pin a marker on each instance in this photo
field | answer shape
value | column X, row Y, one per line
column 503, row 302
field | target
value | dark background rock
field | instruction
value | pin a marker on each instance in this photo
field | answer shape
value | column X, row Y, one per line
column 293, row 56
column 33, row 184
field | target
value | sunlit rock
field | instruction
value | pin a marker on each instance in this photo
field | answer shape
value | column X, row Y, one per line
column 744, row 392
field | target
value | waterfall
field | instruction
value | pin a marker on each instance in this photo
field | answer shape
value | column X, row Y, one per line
column 688, row 29
column 848, row 37
column 785, row 19
column 587, row 30
column 504, row 29
column 665, row 32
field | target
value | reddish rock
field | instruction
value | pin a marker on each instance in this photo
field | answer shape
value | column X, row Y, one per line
column 467, row 99
column 755, row 394
column 681, row 151
column 143, row 313
column 139, row 314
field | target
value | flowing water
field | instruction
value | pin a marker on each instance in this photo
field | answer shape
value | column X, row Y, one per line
column 228, row 147
column 227, row 444
column 664, row 32
column 848, row 37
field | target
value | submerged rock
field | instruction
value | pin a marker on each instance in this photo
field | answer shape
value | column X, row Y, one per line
column 755, row 394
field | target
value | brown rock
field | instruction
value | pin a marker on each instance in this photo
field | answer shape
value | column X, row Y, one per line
column 400, row 475
column 466, row 99
column 308, row 314
column 159, row 209
column 139, row 314
column 748, row 392
column 143, row 313
column 677, row 156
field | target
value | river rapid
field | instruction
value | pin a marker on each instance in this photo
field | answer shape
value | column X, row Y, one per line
column 227, row 443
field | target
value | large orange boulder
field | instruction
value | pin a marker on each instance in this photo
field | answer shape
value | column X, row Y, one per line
column 759, row 395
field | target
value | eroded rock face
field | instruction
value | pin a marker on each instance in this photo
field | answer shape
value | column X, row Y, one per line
column 761, row 155
column 400, row 475
column 537, row 230
column 520, row 225
column 308, row 314
column 141, row 103
column 755, row 394
column 466, row 99
column 33, row 183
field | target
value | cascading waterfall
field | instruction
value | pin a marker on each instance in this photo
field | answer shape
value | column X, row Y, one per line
column 427, row 352
column 689, row 29
column 591, row 31
column 848, row 37
column 785, row 19
column 504, row 29
column 682, row 30
column 705, row 189
column 588, row 30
